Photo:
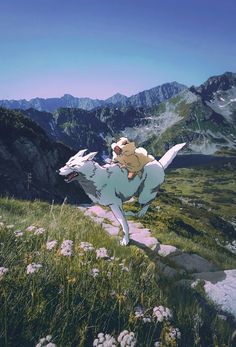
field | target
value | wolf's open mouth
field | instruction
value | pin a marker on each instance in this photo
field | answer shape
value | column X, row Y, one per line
column 70, row 176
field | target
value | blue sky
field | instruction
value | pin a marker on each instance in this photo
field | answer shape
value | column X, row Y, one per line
column 96, row 48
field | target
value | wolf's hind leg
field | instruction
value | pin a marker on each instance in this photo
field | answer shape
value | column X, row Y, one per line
column 143, row 210
column 140, row 213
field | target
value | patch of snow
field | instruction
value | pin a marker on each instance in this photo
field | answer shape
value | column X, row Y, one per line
column 224, row 103
column 51, row 126
column 102, row 136
column 157, row 125
column 203, row 148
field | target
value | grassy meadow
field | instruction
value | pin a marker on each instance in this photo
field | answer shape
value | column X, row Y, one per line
column 65, row 277
column 195, row 211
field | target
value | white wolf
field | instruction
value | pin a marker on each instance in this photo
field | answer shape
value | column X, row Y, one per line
column 109, row 185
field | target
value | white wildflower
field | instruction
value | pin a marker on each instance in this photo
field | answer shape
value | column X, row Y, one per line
column 66, row 247
column 1, row 224
column 39, row 231
column 31, row 268
column 197, row 319
column 102, row 253
column 48, row 338
column 10, row 226
column 86, row 246
column 31, row 228
column 3, row 270
column 113, row 293
column 195, row 283
column 123, row 267
column 174, row 333
column 162, row 313
column 157, row 344
column 51, row 244
column 127, row 338
column 105, row 340
column 95, row 272
column 140, row 314
column 45, row 342
column 147, row 319
column 18, row 233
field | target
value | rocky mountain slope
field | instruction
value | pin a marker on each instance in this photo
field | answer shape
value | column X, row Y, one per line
column 94, row 130
column 29, row 160
column 219, row 93
column 204, row 117
column 146, row 98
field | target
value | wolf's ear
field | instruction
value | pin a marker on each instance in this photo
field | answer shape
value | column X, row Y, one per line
column 77, row 155
column 81, row 153
column 90, row 156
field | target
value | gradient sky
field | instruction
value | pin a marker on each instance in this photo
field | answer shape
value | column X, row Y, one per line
column 96, row 48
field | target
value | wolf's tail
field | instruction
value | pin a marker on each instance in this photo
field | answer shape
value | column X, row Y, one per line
column 170, row 155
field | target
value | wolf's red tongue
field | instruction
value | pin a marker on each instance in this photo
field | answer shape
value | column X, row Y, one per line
column 71, row 175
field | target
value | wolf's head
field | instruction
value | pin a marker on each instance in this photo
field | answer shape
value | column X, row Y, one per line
column 72, row 168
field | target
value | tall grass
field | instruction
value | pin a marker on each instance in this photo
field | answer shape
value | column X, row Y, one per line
column 69, row 300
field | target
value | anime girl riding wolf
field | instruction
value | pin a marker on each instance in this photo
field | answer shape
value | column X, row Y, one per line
column 132, row 172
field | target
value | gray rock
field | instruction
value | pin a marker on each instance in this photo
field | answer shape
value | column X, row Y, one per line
column 166, row 270
column 220, row 287
column 111, row 229
column 167, row 250
column 193, row 263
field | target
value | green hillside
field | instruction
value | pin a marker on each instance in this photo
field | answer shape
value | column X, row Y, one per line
column 76, row 290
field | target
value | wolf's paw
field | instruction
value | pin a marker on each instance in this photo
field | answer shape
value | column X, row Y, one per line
column 124, row 241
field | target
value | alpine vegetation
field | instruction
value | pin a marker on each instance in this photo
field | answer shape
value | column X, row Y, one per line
column 66, row 248
column 3, row 271
column 51, row 244
column 74, row 285
column 31, row 268
column 104, row 340
column 46, row 342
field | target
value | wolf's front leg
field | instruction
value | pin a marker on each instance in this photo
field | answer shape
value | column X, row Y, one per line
column 119, row 214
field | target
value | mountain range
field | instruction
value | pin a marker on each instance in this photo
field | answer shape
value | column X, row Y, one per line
column 204, row 117
column 146, row 98
column 39, row 142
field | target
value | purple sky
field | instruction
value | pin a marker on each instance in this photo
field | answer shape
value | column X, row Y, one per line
column 96, row 48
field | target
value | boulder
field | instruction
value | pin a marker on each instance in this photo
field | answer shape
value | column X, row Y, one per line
column 220, row 287
column 193, row 263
